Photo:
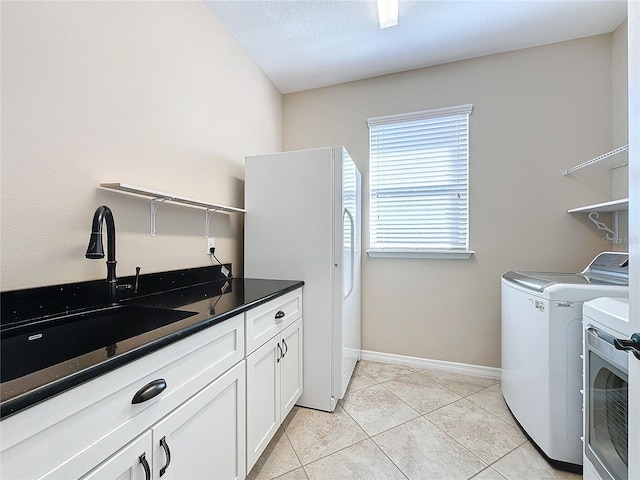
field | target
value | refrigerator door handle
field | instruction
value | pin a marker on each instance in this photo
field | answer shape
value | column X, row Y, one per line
column 352, row 248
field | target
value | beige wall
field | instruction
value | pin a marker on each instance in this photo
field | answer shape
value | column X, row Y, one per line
column 156, row 94
column 535, row 112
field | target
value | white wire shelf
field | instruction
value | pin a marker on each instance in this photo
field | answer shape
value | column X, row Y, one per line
column 598, row 159
column 157, row 198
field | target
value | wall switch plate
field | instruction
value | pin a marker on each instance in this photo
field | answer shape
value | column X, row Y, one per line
column 210, row 244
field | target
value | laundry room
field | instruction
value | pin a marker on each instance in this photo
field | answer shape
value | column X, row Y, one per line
column 162, row 111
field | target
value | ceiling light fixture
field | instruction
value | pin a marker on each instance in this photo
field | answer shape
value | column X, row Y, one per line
column 388, row 13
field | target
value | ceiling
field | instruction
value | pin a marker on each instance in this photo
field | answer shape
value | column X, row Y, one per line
column 304, row 44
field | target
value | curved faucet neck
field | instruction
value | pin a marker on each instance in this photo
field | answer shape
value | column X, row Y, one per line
column 95, row 250
column 103, row 213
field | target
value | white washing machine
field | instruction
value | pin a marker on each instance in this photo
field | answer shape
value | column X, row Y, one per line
column 542, row 350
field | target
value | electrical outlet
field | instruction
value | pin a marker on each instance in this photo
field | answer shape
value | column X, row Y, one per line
column 210, row 244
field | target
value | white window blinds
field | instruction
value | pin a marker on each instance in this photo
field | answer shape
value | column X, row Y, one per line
column 419, row 180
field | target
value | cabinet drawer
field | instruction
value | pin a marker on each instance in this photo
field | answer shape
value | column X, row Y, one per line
column 266, row 321
column 99, row 413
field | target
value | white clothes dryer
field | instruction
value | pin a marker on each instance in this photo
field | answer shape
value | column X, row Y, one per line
column 542, row 351
column 606, row 390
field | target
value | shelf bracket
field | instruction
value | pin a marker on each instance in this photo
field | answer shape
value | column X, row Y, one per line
column 612, row 235
column 207, row 220
column 155, row 203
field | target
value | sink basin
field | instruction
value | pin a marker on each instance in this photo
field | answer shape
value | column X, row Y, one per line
column 31, row 348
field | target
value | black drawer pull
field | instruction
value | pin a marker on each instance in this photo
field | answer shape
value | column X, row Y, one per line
column 149, row 391
column 279, row 316
column 167, row 452
column 145, row 465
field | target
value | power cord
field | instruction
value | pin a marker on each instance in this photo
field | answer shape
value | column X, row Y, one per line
column 226, row 272
column 213, row 253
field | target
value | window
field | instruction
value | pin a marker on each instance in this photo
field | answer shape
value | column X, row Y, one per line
column 419, row 183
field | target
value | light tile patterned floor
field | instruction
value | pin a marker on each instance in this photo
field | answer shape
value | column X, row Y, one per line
column 402, row 423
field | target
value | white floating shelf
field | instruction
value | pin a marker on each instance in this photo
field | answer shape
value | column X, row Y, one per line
column 612, row 206
column 169, row 197
column 157, row 197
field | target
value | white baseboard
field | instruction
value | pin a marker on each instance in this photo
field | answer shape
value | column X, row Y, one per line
column 417, row 362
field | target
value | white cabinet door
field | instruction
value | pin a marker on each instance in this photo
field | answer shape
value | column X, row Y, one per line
column 263, row 398
column 132, row 462
column 290, row 368
column 204, row 437
column 274, row 384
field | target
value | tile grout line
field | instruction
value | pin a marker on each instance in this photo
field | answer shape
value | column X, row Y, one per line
column 294, row 451
column 458, row 442
column 423, row 415
column 369, row 437
column 487, row 465
column 376, row 382
column 491, row 413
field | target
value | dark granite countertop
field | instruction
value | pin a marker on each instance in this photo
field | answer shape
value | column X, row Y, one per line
column 29, row 377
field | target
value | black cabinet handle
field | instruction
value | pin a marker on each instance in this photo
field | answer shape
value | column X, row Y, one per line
column 145, row 465
column 167, row 452
column 286, row 348
column 149, row 391
column 631, row 345
column 279, row 354
column 279, row 315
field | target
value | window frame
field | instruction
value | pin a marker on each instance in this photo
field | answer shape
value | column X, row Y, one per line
column 441, row 253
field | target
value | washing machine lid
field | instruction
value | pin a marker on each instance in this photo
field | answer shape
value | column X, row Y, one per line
column 539, row 281
column 607, row 268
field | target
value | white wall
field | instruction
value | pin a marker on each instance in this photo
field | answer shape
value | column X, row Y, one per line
column 156, row 94
column 535, row 112
column 620, row 132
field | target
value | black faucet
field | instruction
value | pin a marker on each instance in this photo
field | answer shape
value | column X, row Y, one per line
column 95, row 249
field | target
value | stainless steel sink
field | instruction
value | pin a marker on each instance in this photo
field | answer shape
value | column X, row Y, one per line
column 30, row 348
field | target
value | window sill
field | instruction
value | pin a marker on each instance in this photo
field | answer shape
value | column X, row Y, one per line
column 439, row 254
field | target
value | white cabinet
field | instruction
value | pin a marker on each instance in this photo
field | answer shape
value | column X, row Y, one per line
column 214, row 416
column 263, row 398
column 132, row 462
column 211, row 392
column 269, row 319
column 95, row 430
column 290, row 367
column 274, row 371
column 204, row 438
